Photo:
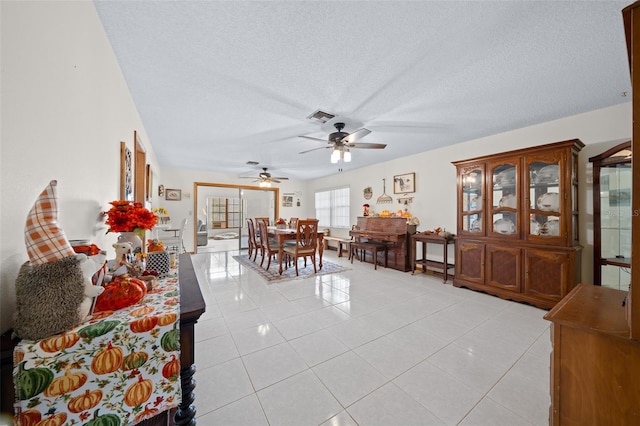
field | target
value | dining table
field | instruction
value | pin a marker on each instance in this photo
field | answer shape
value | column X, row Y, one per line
column 289, row 234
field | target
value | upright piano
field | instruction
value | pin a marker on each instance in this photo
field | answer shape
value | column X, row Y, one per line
column 393, row 231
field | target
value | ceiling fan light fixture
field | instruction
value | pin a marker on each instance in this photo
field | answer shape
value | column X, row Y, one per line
column 347, row 156
column 335, row 156
column 265, row 184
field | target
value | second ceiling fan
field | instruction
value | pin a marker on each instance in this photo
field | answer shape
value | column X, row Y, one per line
column 341, row 142
column 265, row 177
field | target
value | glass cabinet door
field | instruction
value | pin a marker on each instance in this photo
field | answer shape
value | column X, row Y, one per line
column 504, row 198
column 472, row 200
column 545, row 200
column 612, row 215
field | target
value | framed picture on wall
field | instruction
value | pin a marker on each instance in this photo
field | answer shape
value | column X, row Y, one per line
column 287, row 200
column 126, row 173
column 173, row 194
column 404, row 183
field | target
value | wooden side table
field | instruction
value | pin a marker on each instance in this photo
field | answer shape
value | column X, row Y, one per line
column 437, row 267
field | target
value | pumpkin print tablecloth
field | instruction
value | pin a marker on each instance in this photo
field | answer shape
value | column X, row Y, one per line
column 117, row 368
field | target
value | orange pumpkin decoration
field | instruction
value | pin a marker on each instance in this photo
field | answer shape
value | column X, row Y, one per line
column 59, row 342
column 85, row 401
column 54, row 420
column 142, row 311
column 123, row 291
column 172, row 301
column 134, row 360
column 65, row 384
column 167, row 319
column 143, row 325
column 108, row 360
column 101, row 315
column 138, row 392
column 147, row 413
column 29, row 418
column 171, row 370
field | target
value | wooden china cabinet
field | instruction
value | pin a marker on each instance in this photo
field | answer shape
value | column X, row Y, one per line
column 518, row 223
column 595, row 331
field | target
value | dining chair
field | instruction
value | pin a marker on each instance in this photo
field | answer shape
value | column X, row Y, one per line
column 254, row 245
column 306, row 243
column 263, row 218
column 269, row 245
column 293, row 224
column 176, row 243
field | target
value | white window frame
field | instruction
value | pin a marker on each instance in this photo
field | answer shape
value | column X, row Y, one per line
column 333, row 207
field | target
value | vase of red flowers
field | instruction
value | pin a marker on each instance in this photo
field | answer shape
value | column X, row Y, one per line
column 131, row 220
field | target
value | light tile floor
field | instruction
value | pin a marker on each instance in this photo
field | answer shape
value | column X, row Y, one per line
column 364, row 347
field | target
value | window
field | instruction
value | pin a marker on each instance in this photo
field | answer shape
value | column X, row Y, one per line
column 332, row 208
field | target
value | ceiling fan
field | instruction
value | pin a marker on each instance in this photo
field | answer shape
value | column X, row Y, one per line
column 341, row 142
column 265, row 178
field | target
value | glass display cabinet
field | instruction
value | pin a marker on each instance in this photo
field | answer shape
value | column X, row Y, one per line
column 612, row 176
column 544, row 210
column 518, row 223
column 504, row 197
column 472, row 182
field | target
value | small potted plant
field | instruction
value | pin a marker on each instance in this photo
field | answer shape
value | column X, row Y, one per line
column 281, row 223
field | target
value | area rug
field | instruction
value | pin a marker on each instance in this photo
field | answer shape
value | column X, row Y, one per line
column 272, row 276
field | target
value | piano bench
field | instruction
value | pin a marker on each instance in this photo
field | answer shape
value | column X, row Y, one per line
column 374, row 248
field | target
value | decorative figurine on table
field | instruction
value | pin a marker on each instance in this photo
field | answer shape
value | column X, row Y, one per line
column 54, row 289
column 366, row 210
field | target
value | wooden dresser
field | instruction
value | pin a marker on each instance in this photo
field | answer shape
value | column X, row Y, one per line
column 393, row 231
column 595, row 365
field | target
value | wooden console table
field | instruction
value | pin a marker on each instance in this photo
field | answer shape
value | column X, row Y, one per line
column 439, row 268
column 192, row 306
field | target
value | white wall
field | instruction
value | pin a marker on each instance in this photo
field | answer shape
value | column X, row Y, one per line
column 65, row 109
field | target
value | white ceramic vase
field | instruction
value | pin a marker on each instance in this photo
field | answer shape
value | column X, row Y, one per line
column 133, row 238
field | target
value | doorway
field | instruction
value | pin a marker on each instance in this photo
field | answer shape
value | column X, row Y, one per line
column 221, row 212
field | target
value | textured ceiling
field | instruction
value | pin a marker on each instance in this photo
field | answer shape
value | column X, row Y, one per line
column 220, row 83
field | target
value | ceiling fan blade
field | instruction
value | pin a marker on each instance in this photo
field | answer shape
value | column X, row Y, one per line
column 314, row 149
column 312, row 138
column 280, row 177
column 274, row 180
column 367, row 145
column 352, row 137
